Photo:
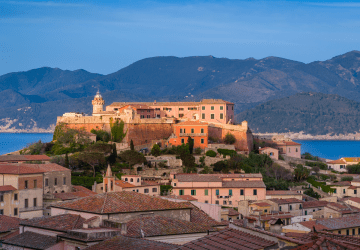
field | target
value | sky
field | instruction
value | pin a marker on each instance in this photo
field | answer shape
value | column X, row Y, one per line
column 103, row 36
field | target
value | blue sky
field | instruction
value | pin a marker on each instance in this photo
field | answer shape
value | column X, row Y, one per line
column 105, row 36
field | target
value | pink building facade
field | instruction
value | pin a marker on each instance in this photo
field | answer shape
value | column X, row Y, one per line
column 209, row 110
column 221, row 189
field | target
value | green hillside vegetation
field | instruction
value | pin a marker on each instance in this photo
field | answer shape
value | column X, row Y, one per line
column 312, row 113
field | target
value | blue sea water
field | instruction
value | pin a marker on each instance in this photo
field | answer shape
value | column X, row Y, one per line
column 10, row 142
column 330, row 149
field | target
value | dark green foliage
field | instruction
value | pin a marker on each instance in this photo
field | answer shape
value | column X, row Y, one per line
column 310, row 192
column 198, row 151
column 117, row 130
column 190, row 142
column 347, row 178
column 132, row 157
column 210, row 153
column 225, row 152
column 353, row 169
column 229, row 138
column 132, row 145
column 165, row 189
column 156, row 151
column 67, row 164
column 319, row 164
column 101, row 135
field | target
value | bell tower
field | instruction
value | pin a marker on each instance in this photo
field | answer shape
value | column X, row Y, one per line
column 98, row 103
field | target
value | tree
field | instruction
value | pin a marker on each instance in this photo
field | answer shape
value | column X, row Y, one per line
column 301, row 173
column 229, row 138
column 132, row 157
column 156, row 151
column 191, row 144
column 117, row 130
column 132, row 145
column 67, row 164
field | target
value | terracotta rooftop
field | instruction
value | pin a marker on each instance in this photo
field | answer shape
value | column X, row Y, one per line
column 128, row 243
column 342, row 222
column 286, row 201
column 19, row 169
column 8, row 158
column 8, row 223
column 228, row 239
column 61, row 223
column 159, row 226
column 31, row 240
column 119, row 202
column 281, row 192
column 311, row 204
column 7, row 188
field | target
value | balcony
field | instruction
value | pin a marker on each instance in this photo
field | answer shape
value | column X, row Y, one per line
column 29, row 209
column 192, row 134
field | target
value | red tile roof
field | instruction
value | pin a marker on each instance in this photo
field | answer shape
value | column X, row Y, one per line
column 31, row 240
column 119, row 202
column 8, row 223
column 127, row 243
column 7, row 188
column 60, row 223
column 228, row 239
column 7, row 158
column 160, row 226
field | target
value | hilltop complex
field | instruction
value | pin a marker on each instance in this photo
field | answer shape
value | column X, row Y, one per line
column 146, row 122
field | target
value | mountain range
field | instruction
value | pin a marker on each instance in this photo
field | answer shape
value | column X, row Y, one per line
column 34, row 98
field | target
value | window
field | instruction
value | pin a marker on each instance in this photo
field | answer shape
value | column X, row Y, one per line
column 182, row 140
column 217, row 191
column 221, row 107
column 212, row 116
column 146, row 190
column 347, row 232
column 181, row 192
column 202, row 131
column 290, row 207
column 55, row 181
column 202, row 142
column 255, row 192
column 15, row 211
column 339, row 232
column 46, row 182
column 193, row 192
column 1, row 197
column 241, row 191
column 221, row 116
column 35, row 202
column 203, row 107
column 15, row 197
column 217, row 202
column 206, row 192
column 26, row 203
column 1, row 211
column 230, row 191
column 26, row 185
column 202, row 116
column 224, row 202
column 64, row 181
column 206, row 202
column 154, row 190
column 212, row 107
column 280, row 208
column 192, row 130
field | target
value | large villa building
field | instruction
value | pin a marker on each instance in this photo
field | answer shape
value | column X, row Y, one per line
column 222, row 189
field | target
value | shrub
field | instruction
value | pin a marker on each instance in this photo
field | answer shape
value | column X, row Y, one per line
column 198, row 151
column 229, row 138
column 211, row 153
column 347, row 178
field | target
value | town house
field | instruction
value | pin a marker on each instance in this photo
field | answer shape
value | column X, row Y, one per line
column 222, row 189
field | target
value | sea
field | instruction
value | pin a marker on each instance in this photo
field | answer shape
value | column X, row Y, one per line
column 328, row 149
column 10, row 142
